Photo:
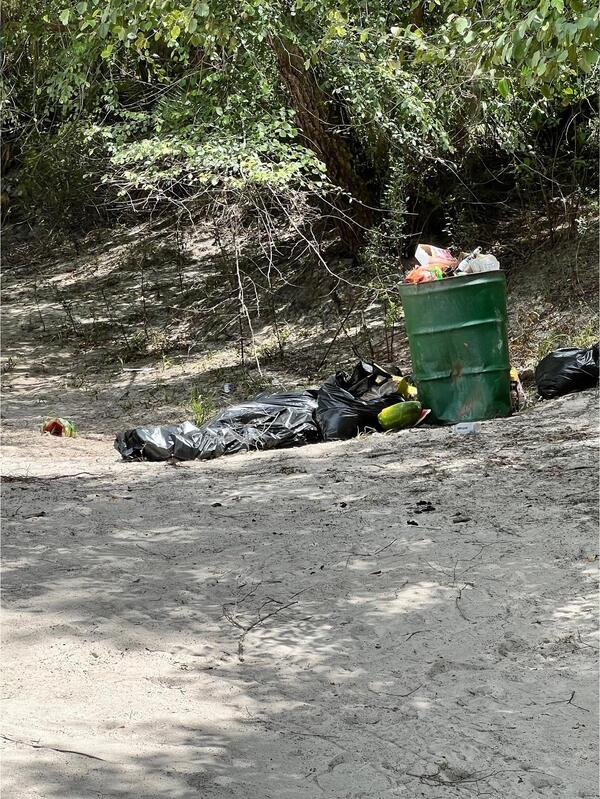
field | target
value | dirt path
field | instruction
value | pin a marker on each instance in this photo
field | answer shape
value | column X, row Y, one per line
column 390, row 650
column 411, row 615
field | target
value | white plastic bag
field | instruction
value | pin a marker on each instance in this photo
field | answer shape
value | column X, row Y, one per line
column 477, row 262
column 428, row 255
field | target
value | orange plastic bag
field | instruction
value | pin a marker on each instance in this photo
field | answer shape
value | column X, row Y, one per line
column 423, row 274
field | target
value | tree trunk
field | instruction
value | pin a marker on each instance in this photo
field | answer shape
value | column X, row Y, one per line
column 347, row 167
column 418, row 15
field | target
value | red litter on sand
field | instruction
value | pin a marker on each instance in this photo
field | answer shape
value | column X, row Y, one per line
column 59, row 427
column 424, row 414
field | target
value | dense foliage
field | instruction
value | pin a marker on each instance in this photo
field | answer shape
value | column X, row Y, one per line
column 382, row 115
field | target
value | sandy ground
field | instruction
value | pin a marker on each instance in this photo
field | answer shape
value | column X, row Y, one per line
column 297, row 624
column 411, row 615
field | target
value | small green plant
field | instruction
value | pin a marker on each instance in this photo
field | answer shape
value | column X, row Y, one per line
column 250, row 384
column 274, row 345
column 136, row 343
column 283, row 336
column 202, row 407
column 157, row 343
column 585, row 337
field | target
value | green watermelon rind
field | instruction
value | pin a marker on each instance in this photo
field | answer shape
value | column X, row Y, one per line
column 400, row 415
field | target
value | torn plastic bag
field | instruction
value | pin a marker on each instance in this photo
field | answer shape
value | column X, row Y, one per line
column 477, row 262
column 427, row 255
column 369, row 381
column 347, row 404
column 152, row 443
column 424, row 274
column 567, row 369
column 267, row 422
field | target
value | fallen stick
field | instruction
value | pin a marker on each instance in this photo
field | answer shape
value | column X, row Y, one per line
column 568, row 701
column 402, row 696
column 249, row 627
column 53, row 748
column 24, row 478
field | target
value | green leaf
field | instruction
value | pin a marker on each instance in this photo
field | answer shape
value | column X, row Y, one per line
column 504, row 87
column 192, row 25
column 461, row 24
column 106, row 53
column 81, row 8
column 64, row 16
column 588, row 60
column 175, row 31
column 202, row 9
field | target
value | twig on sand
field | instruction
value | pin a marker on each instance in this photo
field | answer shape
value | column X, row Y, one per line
column 246, row 628
column 378, row 453
column 439, row 778
column 402, row 696
column 568, row 701
column 458, row 607
column 371, row 554
column 30, row 478
column 415, row 632
column 151, row 552
column 53, row 748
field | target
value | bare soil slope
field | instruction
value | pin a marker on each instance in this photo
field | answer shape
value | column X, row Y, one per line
column 125, row 330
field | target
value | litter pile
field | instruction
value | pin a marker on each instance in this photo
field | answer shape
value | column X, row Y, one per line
column 371, row 398
column 457, row 333
column 437, row 264
column 59, row 427
column 566, row 370
column 344, row 406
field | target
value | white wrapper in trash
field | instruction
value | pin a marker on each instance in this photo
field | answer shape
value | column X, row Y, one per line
column 428, row 255
column 477, row 262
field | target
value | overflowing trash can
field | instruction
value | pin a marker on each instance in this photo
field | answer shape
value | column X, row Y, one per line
column 457, row 332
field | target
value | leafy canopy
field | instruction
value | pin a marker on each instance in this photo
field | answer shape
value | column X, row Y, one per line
column 183, row 99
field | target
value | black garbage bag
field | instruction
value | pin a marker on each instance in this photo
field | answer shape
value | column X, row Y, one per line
column 152, row 443
column 267, row 422
column 347, row 404
column 566, row 370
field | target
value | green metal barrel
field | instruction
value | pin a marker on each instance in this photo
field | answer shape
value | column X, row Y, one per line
column 457, row 334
